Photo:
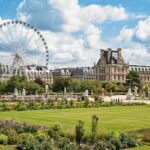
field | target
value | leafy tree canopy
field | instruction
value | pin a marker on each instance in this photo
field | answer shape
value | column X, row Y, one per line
column 133, row 79
column 21, row 82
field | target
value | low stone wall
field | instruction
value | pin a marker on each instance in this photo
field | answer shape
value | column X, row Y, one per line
column 122, row 99
column 10, row 98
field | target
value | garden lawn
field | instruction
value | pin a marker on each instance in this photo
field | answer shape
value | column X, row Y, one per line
column 116, row 118
column 144, row 147
column 6, row 147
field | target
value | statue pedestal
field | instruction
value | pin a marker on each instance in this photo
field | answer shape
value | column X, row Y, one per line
column 129, row 97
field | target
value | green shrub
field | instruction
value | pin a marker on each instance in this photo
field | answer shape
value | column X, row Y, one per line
column 13, row 137
column 111, row 146
column 45, row 145
column 97, row 98
column 86, row 147
column 132, row 141
column 56, row 127
column 128, row 140
column 117, row 143
column 70, row 136
column 79, row 132
column 27, row 141
column 4, row 107
column 94, row 123
column 102, row 136
column 71, row 103
column 71, row 146
column 62, row 142
column 31, row 142
column 31, row 105
column 41, row 136
column 43, row 105
column 86, row 138
column 86, row 102
column 21, row 106
column 3, row 139
column 55, row 131
column 100, row 146
column 50, row 103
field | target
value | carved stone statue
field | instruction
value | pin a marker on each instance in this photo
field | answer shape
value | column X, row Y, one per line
column 65, row 90
column 129, row 91
column 23, row 92
column 16, row 92
column 129, row 95
column 86, row 93
column 135, row 91
column 19, row 93
column 36, row 93
column 65, row 94
column 46, row 89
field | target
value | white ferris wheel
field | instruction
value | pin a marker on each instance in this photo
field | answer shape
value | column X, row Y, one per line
column 22, row 44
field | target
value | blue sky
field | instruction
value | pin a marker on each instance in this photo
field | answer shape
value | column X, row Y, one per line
column 75, row 30
column 8, row 7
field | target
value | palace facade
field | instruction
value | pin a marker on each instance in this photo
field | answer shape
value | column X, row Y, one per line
column 31, row 71
column 81, row 73
column 48, row 76
column 112, row 67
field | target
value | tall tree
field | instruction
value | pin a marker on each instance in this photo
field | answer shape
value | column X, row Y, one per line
column 133, row 79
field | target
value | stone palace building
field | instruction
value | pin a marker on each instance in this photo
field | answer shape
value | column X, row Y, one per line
column 81, row 73
column 48, row 76
column 112, row 67
column 31, row 71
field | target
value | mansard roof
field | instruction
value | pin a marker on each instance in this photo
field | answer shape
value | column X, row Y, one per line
column 139, row 68
column 111, row 57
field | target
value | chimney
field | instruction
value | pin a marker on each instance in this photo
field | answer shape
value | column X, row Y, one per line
column 101, row 53
column 101, row 56
column 119, row 55
column 109, row 55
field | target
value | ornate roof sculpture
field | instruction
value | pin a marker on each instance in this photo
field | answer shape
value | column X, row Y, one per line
column 111, row 57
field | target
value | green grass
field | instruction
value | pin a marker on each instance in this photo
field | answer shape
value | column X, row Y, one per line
column 116, row 118
column 144, row 147
column 6, row 147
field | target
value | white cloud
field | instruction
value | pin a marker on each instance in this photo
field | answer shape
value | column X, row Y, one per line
column 134, row 51
column 3, row 20
column 60, row 18
column 62, row 57
column 64, row 48
column 124, row 39
column 137, row 55
column 67, row 15
column 93, row 37
column 77, row 18
column 74, row 34
column 143, row 29
column 40, row 14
